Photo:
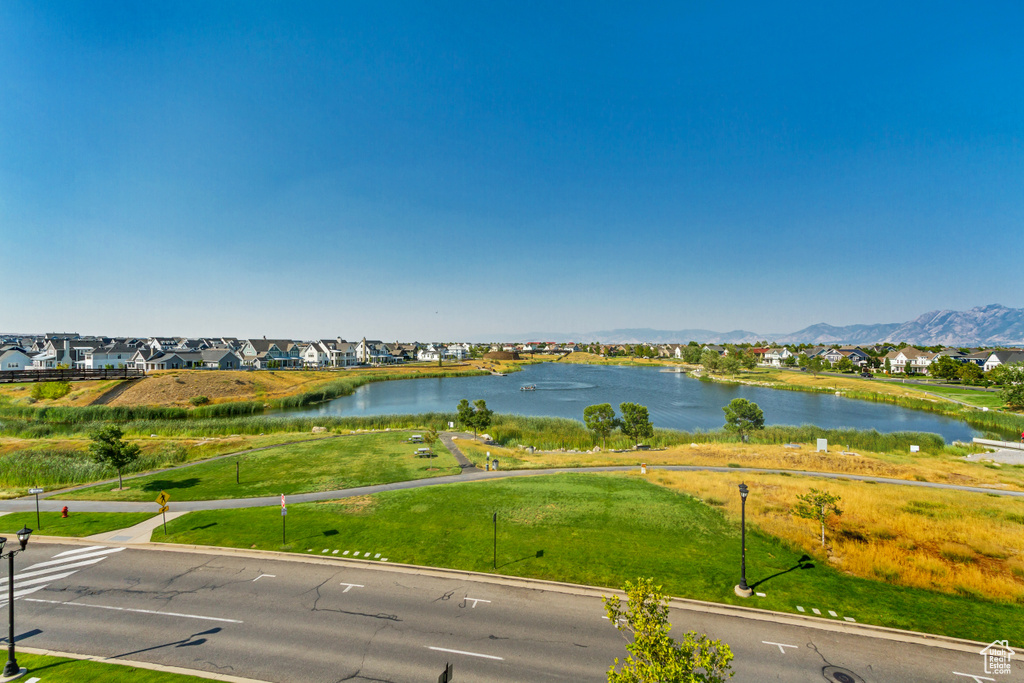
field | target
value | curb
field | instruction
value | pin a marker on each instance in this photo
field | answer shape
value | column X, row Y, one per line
column 139, row 665
column 687, row 604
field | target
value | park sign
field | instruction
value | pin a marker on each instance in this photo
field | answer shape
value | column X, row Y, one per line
column 36, row 491
column 162, row 498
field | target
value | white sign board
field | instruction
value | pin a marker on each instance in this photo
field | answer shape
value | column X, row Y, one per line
column 822, row 445
column 35, row 491
column 915, row 449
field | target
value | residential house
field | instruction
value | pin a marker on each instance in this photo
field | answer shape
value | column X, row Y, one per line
column 776, row 356
column 220, row 359
column 14, row 358
column 910, row 361
column 373, row 352
column 116, row 355
column 997, row 358
column 269, row 353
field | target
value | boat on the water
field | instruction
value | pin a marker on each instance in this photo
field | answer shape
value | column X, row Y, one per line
column 528, row 387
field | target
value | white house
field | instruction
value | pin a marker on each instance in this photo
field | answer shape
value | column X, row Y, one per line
column 14, row 358
column 115, row 355
column 997, row 358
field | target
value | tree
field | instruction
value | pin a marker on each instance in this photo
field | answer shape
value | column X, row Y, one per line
column 969, row 373
column 654, row 656
column 790, row 361
column 635, row 422
column 743, row 416
column 601, row 420
column 944, row 368
column 709, row 359
column 748, row 360
column 481, row 415
column 816, row 365
column 730, row 364
column 888, row 366
column 691, row 354
column 1012, row 392
column 844, row 365
column 466, row 415
column 109, row 448
column 817, row 505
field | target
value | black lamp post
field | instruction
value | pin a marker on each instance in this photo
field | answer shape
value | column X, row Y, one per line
column 12, row 668
column 743, row 590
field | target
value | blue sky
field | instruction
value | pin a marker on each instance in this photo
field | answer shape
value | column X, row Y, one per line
column 473, row 170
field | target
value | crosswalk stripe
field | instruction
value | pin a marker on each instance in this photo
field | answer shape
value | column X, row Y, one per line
column 104, row 553
column 76, row 565
column 80, row 550
column 38, row 576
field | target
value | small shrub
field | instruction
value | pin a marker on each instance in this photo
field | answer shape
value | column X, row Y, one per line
column 887, row 574
column 734, row 464
column 199, row 400
column 50, row 390
column 714, row 501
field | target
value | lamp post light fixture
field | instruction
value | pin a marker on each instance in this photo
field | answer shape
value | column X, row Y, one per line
column 12, row 668
column 743, row 590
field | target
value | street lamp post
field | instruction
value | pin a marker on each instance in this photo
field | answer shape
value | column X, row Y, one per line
column 12, row 668
column 743, row 590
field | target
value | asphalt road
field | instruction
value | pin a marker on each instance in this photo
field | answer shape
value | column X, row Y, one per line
column 315, row 619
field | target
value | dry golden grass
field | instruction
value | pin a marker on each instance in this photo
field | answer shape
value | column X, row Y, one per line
column 940, row 469
column 950, row 541
column 176, row 387
column 82, row 393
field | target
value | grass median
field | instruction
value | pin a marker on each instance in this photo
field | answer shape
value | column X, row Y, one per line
column 50, row 669
column 76, row 524
column 596, row 530
column 324, row 465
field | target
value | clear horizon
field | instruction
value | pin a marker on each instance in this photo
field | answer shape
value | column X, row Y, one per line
column 455, row 171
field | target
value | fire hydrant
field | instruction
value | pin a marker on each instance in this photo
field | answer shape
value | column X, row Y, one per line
column 64, row 512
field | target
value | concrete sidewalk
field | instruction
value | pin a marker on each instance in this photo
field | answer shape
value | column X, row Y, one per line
column 140, row 533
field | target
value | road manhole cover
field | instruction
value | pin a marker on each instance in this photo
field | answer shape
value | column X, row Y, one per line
column 836, row 674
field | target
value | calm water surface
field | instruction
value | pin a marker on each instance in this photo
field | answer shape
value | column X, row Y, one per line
column 675, row 401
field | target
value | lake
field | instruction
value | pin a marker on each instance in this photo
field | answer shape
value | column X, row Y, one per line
column 675, row 401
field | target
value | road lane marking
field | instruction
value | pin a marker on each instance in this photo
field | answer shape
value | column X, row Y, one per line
column 976, row 677
column 476, row 600
column 272, row 576
column 140, row 611
column 81, row 550
column 38, row 576
column 463, row 652
column 64, row 560
column 350, row 586
column 781, row 646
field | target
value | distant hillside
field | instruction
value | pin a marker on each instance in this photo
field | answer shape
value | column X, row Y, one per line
column 992, row 325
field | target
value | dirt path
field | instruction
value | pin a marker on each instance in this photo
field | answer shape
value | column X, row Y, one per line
column 115, row 391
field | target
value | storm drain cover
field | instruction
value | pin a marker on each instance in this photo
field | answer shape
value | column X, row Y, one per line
column 839, row 675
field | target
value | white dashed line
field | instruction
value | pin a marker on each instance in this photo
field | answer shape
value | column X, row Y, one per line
column 350, row 586
column 463, row 652
column 129, row 609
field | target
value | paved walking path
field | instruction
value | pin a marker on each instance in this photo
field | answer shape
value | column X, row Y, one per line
column 27, row 504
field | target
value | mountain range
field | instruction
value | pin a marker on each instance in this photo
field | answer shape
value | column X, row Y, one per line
column 991, row 325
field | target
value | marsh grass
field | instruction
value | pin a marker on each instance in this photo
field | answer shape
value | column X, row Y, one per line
column 933, row 539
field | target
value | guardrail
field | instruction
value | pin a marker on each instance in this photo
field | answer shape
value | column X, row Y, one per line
column 69, row 375
column 1016, row 445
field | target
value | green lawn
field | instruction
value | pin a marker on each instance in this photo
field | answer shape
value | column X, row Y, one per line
column 63, row 670
column 598, row 530
column 77, row 523
column 325, row 465
column 981, row 399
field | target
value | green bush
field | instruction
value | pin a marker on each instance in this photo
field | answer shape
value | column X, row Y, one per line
column 50, row 390
column 199, row 400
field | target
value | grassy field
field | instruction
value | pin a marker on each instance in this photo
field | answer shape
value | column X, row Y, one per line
column 597, row 530
column 324, row 465
column 60, row 462
column 64, row 670
column 944, row 465
column 980, row 399
column 77, row 524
